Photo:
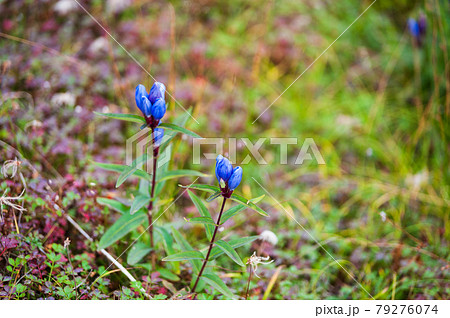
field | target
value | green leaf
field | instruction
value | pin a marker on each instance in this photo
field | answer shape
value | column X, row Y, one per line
column 248, row 203
column 165, row 273
column 184, row 256
column 114, row 204
column 203, row 212
column 120, row 168
column 216, row 251
column 127, row 117
column 180, row 173
column 125, row 224
column 214, row 196
column 185, row 246
column 202, row 187
column 179, row 129
column 231, row 212
column 218, row 284
column 137, row 252
column 130, row 170
column 139, row 202
column 202, row 220
column 167, row 239
column 227, row 249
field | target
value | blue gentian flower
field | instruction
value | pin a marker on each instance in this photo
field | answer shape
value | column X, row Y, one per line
column 413, row 27
column 223, row 168
column 157, row 91
column 158, row 136
column 140, row 92
column 158, row 109
column 235, row 178
column 152, row 105
column 228, row 177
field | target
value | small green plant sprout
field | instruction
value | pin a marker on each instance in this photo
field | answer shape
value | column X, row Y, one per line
column 142, row 209
column 229, row 178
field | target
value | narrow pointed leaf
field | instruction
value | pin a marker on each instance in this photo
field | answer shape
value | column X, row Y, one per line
column 120, row 168
column 214, row 196
column 232, row 212
column 203, row 212
column 114, row 204
column 185, row 246
column 216, row 251
column 124, row 225
column 139, row 202
column 217, row 283
column 179, row 129
column 127, row 117
column 184, row 256
column 202, row 187
column 248, row 203
column 202, row 220
column 130, row 170
column 137, row 252
column 227, row 249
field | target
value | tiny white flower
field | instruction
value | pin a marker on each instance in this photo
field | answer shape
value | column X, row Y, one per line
column 254, row 260
column 63, row 99
column 63, row 7
column 10, row 164
column 269, row 236
column 66, row 242
column 383, row 216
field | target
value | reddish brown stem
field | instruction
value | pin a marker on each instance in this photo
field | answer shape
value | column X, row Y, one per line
column 150, row 205
column 211, row 244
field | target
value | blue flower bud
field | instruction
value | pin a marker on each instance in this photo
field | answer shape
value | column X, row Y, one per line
column 223, row 168
column 146, row 106
column 158, row 136
column 157, row 91
column 413, row 27
column 422, row 24
column 140, row 92
column 235, row 178
column 158, row 109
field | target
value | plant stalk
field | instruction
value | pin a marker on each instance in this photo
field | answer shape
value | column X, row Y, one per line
column 211, row 244
column 150, row 205
column 248, row 283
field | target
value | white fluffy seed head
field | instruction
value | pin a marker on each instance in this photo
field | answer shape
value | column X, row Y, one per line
column 269, row 236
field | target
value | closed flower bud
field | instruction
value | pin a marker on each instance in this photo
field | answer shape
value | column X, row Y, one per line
column 158, row 109
column 146, row 106
column 140, row 92
column 422, row 24
column 157, row 91
column 158, row 136
column 235, row 178
column 413, row 27
column 223, row 168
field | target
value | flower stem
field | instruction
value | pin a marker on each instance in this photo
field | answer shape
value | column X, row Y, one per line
column 150, row 205
column 211, row 244
column 248, row 283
